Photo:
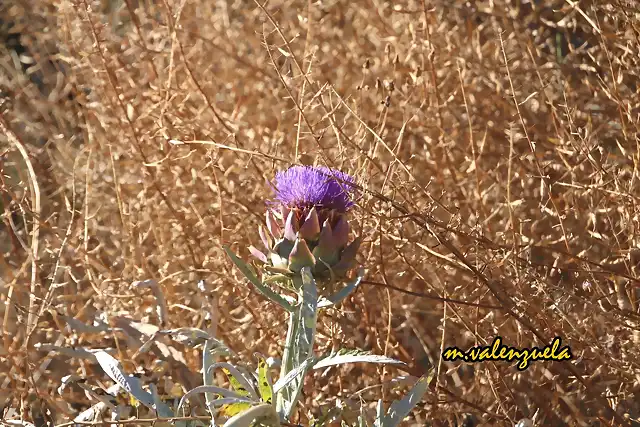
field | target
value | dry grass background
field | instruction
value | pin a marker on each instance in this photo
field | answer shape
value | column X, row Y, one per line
column 497, row 141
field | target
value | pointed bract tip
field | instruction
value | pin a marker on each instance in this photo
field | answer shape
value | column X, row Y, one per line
column 291, row 226
column 265, row 237
column 300, row 256
column 272, row 226
column 348, row 257
column 258, row 254
column 341, row 233
column 310, row 228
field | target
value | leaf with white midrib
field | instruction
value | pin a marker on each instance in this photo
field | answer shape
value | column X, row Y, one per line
column 264, row 290
column 354, row 356
column 129, row 383
column 400, row 409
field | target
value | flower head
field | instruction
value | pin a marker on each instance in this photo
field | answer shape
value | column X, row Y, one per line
column 307, row 223
column 304, row 187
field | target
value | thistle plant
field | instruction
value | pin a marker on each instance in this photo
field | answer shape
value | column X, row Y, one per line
column 307, row 226
column 307, row 251
column 305, row 266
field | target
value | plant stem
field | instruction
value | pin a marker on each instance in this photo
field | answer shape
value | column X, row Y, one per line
column 287, row 363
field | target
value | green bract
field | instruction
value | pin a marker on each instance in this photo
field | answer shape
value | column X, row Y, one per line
column 294, row 242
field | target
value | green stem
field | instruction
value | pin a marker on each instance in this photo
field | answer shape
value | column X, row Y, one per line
column 299, row 343
column 287, row 363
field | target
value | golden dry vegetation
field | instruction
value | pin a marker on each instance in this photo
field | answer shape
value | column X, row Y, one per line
column 497, row 144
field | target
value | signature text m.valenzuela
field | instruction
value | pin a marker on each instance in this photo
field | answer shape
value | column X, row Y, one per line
column 500, row 352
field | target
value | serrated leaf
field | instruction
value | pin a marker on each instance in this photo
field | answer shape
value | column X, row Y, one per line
column 250, row 275
column 400, row 409
column 264, row 381
column 342, row 293
column 354, row 356
column 129, row 383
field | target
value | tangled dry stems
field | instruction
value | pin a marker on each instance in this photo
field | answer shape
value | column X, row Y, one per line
column 497, row 145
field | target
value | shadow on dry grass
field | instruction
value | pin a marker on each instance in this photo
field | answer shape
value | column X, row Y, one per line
column 498, row 144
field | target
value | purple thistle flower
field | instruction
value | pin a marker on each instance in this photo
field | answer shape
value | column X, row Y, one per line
column 303, row 187
column 307, row 225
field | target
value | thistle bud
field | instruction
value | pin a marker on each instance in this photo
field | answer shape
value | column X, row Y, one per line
column 308, row 225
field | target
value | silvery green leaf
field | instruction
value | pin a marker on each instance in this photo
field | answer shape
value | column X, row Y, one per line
column 284, row 381
column 264, row 290
column 129, row 383
column 400, row 409
column 309, row 311
column 81, row 327
column 342, row 293
column 354, row 356
column 362, row 418
column 18, row 423
column 284, row 400
column 304, row 337
column 66, row 380
column 207, row 376
column 161, row 303
column 211, row 389
column 162, row 408
column 241, row 379
column 230, row 401
column 246, row 418
column 79, row 352
column 380, row 417
column 192, row 337
column 96, row 410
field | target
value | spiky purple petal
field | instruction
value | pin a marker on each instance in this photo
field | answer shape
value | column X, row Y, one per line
column 303, row 187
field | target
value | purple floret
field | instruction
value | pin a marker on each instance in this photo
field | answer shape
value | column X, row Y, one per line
column 302, row 187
